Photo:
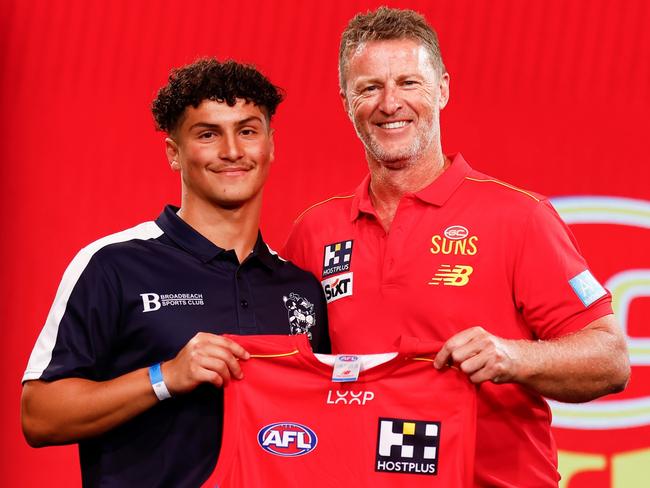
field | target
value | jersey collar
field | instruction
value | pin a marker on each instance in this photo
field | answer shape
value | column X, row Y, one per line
column 437, row 193
column 187, row 238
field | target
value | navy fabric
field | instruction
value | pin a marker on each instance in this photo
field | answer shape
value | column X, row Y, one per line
column 139, row 302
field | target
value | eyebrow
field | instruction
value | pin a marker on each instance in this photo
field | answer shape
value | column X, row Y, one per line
column 207, row 125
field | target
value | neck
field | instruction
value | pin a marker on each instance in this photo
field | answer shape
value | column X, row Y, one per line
column 228, row 228
column 389, row 183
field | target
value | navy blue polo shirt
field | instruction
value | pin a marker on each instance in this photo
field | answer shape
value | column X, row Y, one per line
column 137, row 297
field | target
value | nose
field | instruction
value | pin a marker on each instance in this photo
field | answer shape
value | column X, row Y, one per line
column 230, row 148
column 390, row 100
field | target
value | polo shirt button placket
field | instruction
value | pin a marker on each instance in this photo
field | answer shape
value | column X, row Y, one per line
column 395, row 244
column 245, row 313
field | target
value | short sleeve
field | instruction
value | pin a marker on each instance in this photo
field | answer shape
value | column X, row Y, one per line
column 77, row 336
column 553, row 286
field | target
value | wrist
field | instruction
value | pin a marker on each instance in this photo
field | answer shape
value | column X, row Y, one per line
column 158, row 383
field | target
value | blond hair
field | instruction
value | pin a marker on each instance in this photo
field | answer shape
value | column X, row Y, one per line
column 387, row 24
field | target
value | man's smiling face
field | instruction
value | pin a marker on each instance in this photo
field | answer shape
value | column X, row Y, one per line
column 394, row 96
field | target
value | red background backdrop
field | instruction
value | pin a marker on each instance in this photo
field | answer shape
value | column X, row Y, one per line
column 549, row 95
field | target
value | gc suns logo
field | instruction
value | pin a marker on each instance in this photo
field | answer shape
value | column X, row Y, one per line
column 287, row 439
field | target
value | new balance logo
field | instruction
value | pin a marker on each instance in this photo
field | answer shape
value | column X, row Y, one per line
column 448, row 276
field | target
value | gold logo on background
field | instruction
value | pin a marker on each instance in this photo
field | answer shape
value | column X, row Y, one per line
column 448, row 276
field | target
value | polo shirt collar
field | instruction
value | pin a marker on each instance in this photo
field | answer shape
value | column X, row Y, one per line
column 437, row 193
column 187, row 238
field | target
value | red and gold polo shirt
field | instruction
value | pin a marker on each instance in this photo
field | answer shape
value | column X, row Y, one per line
column 466, row 250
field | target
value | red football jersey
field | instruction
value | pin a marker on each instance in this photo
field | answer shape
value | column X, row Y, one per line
column 401, row 423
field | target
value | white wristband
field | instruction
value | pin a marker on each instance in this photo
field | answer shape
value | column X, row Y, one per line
column 157, row 382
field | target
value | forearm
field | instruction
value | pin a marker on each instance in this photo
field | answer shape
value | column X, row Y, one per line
column 575, row 368
column 71, row 409
column 67, row 410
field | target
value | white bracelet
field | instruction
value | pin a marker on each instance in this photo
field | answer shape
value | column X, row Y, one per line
column 157, row 382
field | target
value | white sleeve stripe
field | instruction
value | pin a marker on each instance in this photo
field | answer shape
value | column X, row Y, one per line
column 42, row 352
column 275, row 253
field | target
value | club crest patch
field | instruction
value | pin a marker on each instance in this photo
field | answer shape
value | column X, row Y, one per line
column 337, row 258
column 301, row 314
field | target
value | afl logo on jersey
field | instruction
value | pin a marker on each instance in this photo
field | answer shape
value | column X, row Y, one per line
column 348, row 359
column 287, row 439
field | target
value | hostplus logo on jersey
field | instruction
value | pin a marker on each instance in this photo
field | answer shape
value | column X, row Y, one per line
column 337, row 258
column 287, row 439
column 407, row 446
column 155, row 301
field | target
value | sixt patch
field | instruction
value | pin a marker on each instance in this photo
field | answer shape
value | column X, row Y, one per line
column 337, row 287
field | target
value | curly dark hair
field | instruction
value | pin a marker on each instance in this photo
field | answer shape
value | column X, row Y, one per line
column 210, row 79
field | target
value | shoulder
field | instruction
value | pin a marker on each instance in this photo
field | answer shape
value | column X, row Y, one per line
column 109, row 247
column 290, row 271
column 503, row 191
column 332, row 206
column 496, row 196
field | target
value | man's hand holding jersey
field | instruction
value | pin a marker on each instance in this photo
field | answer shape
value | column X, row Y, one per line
column 206, row 358
column 573, row 368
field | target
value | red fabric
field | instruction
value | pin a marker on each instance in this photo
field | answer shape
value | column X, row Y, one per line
column 513, row 268
column 287, row 384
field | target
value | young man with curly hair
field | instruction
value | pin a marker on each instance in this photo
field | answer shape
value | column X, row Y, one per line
column 131, row 358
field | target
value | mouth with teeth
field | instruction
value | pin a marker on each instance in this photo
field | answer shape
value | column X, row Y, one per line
column 398, row 124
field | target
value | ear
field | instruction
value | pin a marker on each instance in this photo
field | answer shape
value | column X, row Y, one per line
column 444, row 90
column 172, row 152
column 346, row 105
column 271, row 146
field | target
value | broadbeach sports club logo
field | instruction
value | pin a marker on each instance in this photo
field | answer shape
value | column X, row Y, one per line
column 287, row 439
column 155, row 301
column 609, row 437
